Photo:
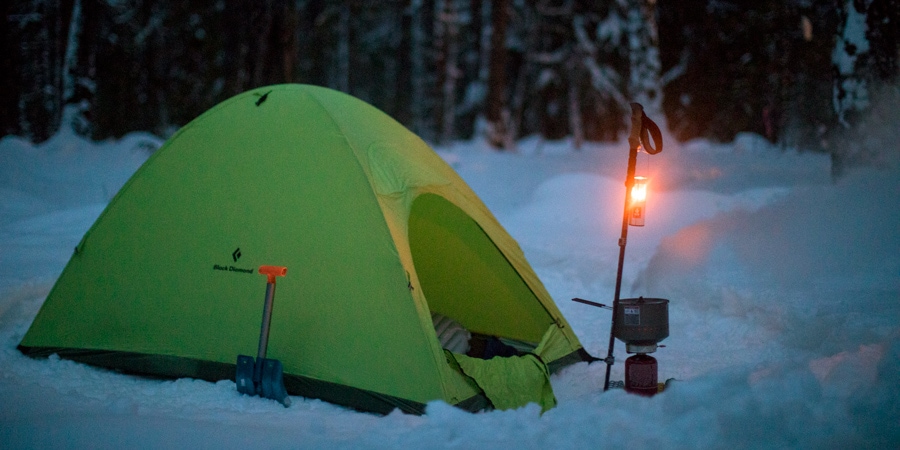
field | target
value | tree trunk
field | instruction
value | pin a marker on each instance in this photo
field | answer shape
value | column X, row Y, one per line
column 481, row 26
column 497, row 111
column 343, row 51
column 439, row 26
column 73, row 111
column 288, row 39
column 399, row 106
column 261, row 36
column 39, row 28
column 71, row 56
column 421, row 11
column 239, row 15
column 448, row 39
column 9, row 49
column 575, row 125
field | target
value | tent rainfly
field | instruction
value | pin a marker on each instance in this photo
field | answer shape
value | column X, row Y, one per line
column 381, row 237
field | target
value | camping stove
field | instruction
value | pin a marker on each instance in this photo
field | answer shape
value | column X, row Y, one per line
column 641, row 323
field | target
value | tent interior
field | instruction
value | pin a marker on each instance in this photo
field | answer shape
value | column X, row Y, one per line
column 457, row 263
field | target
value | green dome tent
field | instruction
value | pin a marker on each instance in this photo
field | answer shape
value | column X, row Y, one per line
column 378, row 234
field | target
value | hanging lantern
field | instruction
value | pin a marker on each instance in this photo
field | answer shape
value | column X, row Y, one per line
column 638, row 202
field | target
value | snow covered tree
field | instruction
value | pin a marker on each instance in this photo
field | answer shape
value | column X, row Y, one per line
column 606, row 59
column 39, row 28
column 865, row 93
column 474, row 51
column 78, row 86
column 645, row 70
column 851, row 90
column 790, row 70
column 568, row 65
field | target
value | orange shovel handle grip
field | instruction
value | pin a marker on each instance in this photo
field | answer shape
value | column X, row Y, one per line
column 272, row 272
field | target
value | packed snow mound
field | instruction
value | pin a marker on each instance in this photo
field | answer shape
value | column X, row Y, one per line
column 818, row 269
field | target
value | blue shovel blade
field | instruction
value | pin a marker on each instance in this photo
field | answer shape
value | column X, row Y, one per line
column 244, row 375
column 272, row 382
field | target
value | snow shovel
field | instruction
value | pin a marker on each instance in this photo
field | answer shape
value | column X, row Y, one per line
column 264, row 377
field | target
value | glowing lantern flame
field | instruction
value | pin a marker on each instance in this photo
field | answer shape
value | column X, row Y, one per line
column 638, row 202
column 639, row 190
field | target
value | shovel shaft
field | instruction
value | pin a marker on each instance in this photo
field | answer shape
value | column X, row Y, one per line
column 264, row 333
column 271, row 272
column 266, row 321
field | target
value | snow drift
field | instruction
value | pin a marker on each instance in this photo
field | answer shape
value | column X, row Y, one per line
column 785, row 313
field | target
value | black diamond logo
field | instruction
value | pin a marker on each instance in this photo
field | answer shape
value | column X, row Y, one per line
column 236, row 255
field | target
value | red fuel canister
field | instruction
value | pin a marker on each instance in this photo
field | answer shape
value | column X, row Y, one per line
column 641, row 375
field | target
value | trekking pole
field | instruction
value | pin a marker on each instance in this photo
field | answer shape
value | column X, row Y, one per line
column 642, row 129
column 634, row 143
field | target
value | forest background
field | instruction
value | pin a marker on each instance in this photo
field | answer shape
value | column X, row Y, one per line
column 816, row 75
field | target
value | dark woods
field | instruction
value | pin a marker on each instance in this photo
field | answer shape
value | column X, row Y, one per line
column 796, row 72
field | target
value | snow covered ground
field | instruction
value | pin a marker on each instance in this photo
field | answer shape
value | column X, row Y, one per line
column 784, row 289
